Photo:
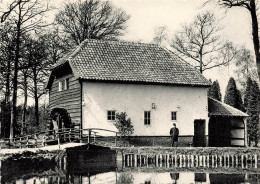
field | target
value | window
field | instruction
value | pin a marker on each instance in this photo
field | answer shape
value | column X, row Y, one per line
column 64, row 84
column 147, row 117
column 111, row 115
column 173, row 115
column 60, row 86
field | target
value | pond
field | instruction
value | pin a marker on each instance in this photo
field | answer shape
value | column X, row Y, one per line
column 107, row 166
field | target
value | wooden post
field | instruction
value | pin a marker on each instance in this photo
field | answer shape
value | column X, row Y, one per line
column 180, row 160
column 232, row 161
column 197, row 160
column 236, row 160
column 200, row 160
column 70, row 134
column 212, row 161
column 20, row 142
column 242, row 160
column 89, row 136
column 116, row 140
column 246, row 160
column 184, row 160
column 208, row 161
column 147, row 160
column 44, row 140
column 80, row 135
column 255, row 158
column 192, row 160
column 123, row 159
column 188, row 160
column 59, row 140
column 156, row 160
column 204, row 160
column 176, row 160
column 224, row 160
column 35, row 138
column 251, row 160
column 65, row 163
column 140, row 160
column 27, row 141
column 228, row 163
column 128, row 160
column 220, row 160
column 135, row 159
column 168, row 160
column 216, row 160
column 160, row 160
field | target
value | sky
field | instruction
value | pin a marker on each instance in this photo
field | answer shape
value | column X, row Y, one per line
column 146, row 15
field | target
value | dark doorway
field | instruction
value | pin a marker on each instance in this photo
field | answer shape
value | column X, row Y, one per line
column 219, row 132
column 199, row 139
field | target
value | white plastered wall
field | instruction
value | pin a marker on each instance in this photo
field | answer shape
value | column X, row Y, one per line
column 189, row 102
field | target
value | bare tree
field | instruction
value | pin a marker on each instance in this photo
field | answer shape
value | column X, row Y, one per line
column 160, row 35
column 200, row 42
column 37, row 58
column 252, row 8
column 27, row 16
column 7, row 53
column 245, row 66
column 91, row 19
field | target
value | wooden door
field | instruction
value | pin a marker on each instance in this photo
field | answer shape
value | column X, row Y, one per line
column 199, row 139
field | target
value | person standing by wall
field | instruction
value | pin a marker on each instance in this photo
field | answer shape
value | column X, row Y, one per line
column 174, row 132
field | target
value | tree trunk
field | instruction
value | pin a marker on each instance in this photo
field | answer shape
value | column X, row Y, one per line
column 17, row 52
column 36, row 96
column 5, row 126
column 255, row 34
column 25, row 102
column 7, row 85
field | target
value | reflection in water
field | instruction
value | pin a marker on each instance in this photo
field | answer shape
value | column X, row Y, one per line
column 106, row 166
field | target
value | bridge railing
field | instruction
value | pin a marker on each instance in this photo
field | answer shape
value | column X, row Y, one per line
column 41, row 139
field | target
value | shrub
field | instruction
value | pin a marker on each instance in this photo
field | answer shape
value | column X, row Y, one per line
column 124, row 125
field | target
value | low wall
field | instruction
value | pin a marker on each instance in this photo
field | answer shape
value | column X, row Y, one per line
column 161, row 141
column 165, row 141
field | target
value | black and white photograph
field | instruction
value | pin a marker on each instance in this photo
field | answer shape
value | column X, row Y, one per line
column 129, row 92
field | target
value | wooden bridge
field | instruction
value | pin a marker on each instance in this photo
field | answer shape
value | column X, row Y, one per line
column 64, row 135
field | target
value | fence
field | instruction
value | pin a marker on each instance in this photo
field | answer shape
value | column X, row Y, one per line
column 53, row 137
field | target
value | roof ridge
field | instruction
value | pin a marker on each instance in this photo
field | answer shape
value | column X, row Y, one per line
column 122, row 41
column 70, row 55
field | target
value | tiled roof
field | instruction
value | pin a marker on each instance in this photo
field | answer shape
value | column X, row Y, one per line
column 132, row 62
column 217, row 108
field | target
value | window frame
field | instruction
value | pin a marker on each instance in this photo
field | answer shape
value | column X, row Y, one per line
column 172, row 119
column 113, row 116
column 147, row 118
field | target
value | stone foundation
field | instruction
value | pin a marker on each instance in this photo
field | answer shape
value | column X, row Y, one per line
column 165, row 141
column 161, row 141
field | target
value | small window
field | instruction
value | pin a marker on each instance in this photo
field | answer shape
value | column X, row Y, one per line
column 174, row 115
column 111, row 115
column 147, row 117
column 66, row 84
column 60, row 86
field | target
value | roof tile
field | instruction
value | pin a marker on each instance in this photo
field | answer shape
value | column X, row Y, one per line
column 217, row 108
column 129, row 61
